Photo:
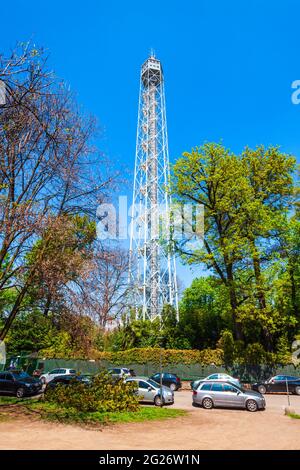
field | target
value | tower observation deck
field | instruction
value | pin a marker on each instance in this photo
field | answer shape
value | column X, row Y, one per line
column 152, row 268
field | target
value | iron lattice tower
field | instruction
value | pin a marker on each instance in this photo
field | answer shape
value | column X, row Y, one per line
column 152, row 267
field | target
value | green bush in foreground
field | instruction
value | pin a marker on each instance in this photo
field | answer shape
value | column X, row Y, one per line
column 103, row 395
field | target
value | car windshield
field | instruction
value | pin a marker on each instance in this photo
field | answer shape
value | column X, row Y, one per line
column 271, row 379
column 20, row 375
column 153, row 383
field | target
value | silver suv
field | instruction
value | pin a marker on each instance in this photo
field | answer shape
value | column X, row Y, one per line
column 227, row 395
column 149, row 391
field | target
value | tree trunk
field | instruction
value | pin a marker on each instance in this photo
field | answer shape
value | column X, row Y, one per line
column 233, row 303
column 13, row 313
column 260, row 294
column 295, row 305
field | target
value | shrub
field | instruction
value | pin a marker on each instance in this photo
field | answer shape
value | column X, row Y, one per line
column 223, row 355
column 227, row 344
column 255, row 354
column 169, row 356
column 103, row 395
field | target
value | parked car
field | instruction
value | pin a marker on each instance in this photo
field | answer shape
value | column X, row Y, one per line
column 149, row 391
column 68, row 380
column 45, row 378
column 279, row 384
column 169, row 380
column 19, row 384
column 216, row 377
column 120, row 372
column 225, row 394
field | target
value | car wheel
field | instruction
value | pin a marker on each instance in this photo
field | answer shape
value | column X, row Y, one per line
column 262, row 389
column 173, row 387
column 207, row 403
column 20, row 392
column 251, row 405
column 157, row 401
column 297, row 390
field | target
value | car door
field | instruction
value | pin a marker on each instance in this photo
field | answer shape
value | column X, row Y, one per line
column 62, row 371
column 167, row 380
column 52, row 374
column 146, row 391
column 217, row 393
column 293, row 382
column 9, row 383
column 2, row 383
column 281, row 384
column 277, row 384
column 232, row 397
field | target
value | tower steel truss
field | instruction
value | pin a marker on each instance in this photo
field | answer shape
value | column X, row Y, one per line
column 152, row 267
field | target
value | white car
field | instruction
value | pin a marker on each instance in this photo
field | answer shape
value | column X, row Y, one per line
column 217, row 378
column 46, row 378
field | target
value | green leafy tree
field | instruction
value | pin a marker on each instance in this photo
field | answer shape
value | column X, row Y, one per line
column 247, row 199
column 204, row 312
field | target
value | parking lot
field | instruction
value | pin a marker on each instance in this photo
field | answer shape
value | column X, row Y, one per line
column 199, row 429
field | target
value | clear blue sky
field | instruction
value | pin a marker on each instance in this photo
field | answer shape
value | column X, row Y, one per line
column 228, row 66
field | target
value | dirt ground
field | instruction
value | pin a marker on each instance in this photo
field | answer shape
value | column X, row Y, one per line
column 200, row 429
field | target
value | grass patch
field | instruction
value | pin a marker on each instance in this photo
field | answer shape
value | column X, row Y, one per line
column 53, row 412
column 294, row 415
column 145, row 414
column 10, row 401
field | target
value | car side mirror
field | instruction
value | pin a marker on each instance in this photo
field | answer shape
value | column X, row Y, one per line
column 149, row 389
column 238, row 392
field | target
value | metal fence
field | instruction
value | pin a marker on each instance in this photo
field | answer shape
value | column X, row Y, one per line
column 246, row 373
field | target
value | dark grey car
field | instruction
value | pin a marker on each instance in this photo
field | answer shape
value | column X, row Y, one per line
column 227, row 395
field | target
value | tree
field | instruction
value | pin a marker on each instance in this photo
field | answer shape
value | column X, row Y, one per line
column 101, row 293
column 247, row 199
column 49, row 172
column 263, row 215
column 212, row 176
column 204, row 312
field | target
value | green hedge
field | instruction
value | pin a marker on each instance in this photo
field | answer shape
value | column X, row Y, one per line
column 152, row 355
column 253, row 354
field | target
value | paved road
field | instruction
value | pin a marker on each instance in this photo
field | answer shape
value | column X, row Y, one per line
column 200, row 429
